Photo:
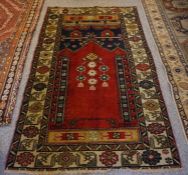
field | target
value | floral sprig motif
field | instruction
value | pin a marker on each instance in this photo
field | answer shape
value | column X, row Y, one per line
column 92, row 71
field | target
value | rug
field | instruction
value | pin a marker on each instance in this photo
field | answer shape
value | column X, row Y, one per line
column 177, row 14
column 93, row 100
column 168, row 21
column 18, row 19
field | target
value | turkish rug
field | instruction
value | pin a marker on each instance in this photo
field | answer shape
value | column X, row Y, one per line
column 17, row 19
column 93, row 99
column 169, row 24
column 177, row 13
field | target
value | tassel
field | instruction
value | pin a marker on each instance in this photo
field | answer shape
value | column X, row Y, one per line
column 80, row 84
column 105, row 84
column 93, row 88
